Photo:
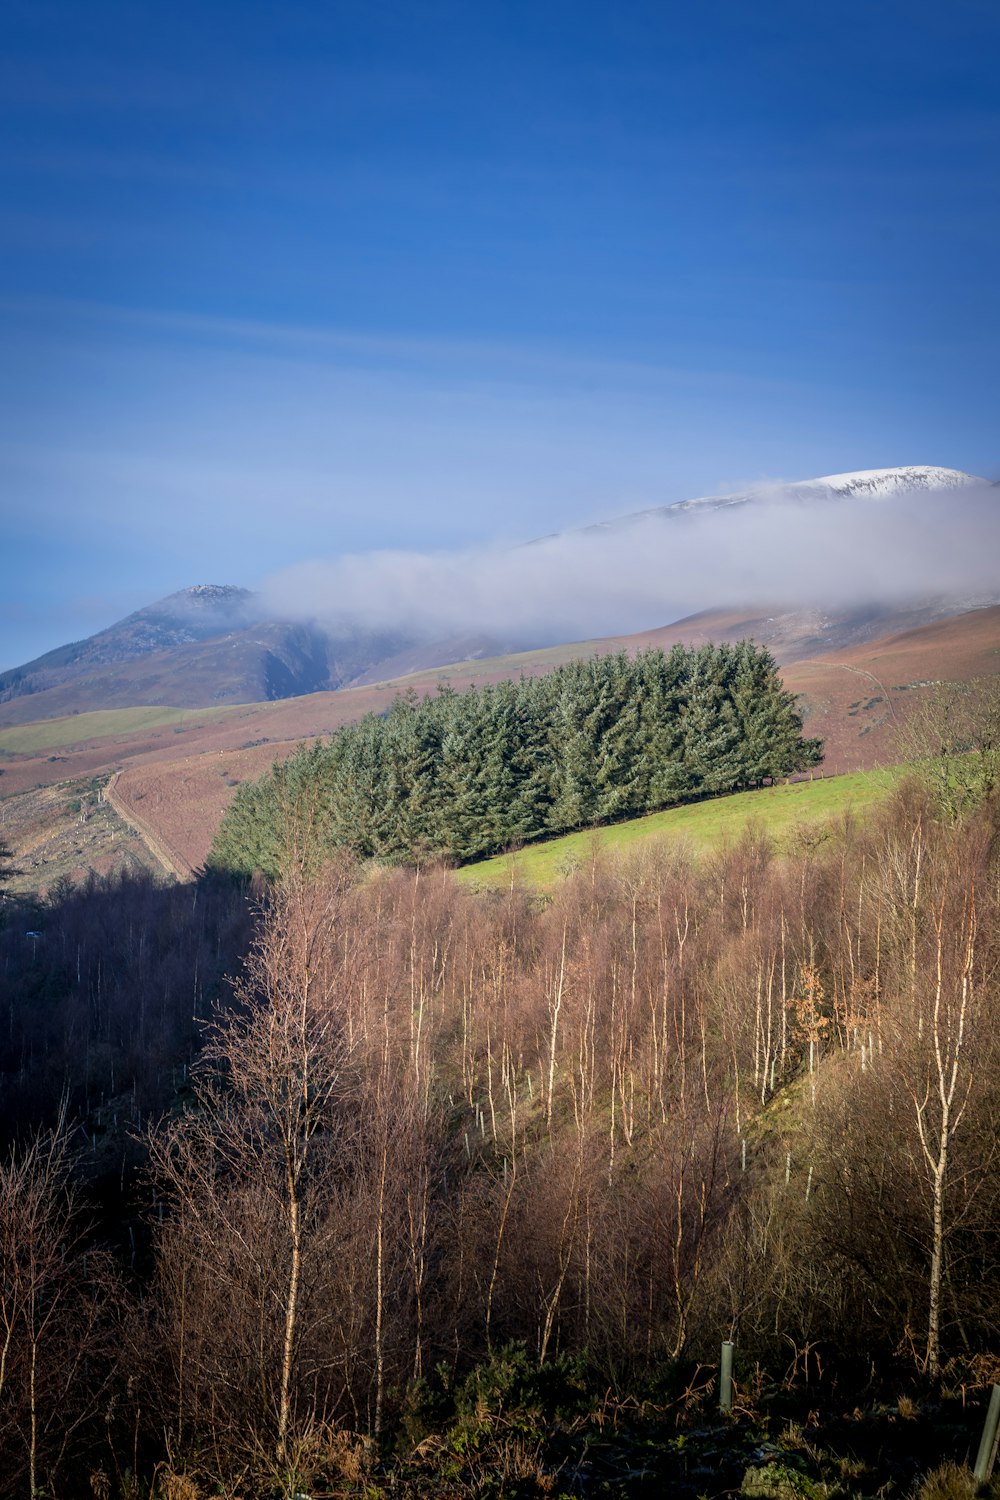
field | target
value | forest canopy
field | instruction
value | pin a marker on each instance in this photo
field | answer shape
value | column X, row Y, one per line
column 470, row 773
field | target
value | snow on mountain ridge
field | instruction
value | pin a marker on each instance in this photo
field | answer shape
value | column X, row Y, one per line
column 864, row 484
column 888, row 481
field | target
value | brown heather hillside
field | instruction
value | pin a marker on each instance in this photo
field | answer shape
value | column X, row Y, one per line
column 855, row 699
column 177, row 778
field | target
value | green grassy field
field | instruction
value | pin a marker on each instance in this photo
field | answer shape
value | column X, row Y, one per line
column 781, row 810
column 75, row 729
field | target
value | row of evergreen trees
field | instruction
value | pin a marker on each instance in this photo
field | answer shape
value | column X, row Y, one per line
column 474, row 772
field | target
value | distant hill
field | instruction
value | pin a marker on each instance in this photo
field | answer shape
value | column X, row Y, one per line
column 193, row 614
column 202, row 647
column 214, row 645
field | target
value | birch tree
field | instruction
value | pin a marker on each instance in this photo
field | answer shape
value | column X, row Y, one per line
column 940, row 1103
column 245, row 1167
column 56, row 1304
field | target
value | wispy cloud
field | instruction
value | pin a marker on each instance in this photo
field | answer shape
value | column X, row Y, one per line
column 479, row 361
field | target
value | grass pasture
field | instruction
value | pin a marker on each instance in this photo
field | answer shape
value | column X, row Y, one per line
column 782, row 810
column 105, row 723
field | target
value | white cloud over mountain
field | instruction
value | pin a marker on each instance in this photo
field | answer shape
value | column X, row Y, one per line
column 874, row 536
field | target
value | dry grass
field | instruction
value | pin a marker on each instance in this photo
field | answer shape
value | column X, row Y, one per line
column 173, row 1485
column 948, row 1482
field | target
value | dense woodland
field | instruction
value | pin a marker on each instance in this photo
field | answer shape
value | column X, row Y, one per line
column 471, row 773
column 264, row 1233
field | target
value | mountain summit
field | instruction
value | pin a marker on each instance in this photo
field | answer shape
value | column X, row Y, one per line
column 193, row 614
column 860, row 484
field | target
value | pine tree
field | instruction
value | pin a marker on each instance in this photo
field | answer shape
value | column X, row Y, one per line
column 663, row 691
column 711, row 726
column 572, row 747
column 770, row 724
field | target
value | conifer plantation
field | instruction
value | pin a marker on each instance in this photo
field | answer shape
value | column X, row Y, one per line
column 469, row 774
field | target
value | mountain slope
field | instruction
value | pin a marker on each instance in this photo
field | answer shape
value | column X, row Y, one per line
column 214, row 645
column 180, row 772
column 852, row 699
column 193, row 614
column 199, row 648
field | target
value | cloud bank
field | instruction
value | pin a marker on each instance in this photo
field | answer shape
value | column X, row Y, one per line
column 640, row 573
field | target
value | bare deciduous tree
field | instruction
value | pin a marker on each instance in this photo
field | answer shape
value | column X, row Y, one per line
column 57, row 1306
column 244, row 1166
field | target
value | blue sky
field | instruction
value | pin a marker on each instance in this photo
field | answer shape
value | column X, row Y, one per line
column 281, row 282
